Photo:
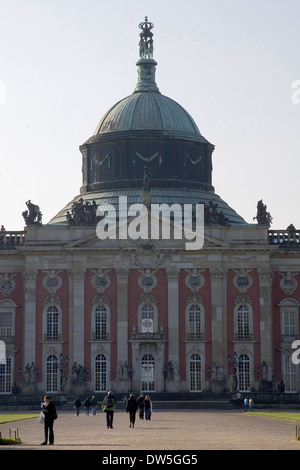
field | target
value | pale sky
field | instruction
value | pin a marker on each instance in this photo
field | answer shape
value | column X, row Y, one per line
column 230, row 63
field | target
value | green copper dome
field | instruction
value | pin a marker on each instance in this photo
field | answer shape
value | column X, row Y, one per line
column 149, row 111
column 147, row 132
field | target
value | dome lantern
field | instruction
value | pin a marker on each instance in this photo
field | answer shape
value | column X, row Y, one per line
column 146, row 64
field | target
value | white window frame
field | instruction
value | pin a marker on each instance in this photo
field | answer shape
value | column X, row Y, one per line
column 237, row 309
column 141, row 327
column 8, row 307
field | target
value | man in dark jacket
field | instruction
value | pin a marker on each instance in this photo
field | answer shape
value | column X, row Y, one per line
column 50, row 413
column 131, row 408
column 77, row 405
column 140, row 400
column 108, row 405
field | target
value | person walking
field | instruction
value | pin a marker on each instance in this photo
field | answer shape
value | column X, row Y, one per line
column 87, row 405
column 108, row 405
column 131, row 408
column 148, row 407
column 246, row 404
column 50, row 413
column 141, row 406
column 251, row 404
column 77, row 405
column 94, row 405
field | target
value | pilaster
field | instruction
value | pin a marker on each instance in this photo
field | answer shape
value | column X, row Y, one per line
column 29, row 276
column 173, row 327
column 122, row 323
column 219, row 325
column 266, row 321
column 76, row 315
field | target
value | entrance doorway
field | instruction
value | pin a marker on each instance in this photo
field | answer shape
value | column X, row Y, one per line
column 148, row 373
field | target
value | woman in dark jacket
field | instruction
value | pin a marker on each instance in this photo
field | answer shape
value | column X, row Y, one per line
column 148, row 407
column 131, row 408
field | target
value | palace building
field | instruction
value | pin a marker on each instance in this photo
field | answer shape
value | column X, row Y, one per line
column 82, row 312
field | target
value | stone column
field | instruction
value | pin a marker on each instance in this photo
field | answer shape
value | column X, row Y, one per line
column 173, row 382
column 219, row 328
column 29, row 277
column 76, row 316
column 123, row 382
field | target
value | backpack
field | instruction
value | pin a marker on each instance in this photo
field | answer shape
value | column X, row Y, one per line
column 109, row 402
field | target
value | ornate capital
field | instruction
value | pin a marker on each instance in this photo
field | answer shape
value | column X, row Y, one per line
column 30, row 274
column 218, row 274
column 172, row 274
column 265, row 274
column 77, row 274
column 122, row 275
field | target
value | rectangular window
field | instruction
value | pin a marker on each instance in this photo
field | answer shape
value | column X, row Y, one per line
column 195, row 373
column 243, row 323
column 195, row 322
column 289, row 374
column 5, row 376
column 289, row 322
column 52, row 324
column 100, row 374
column 100, row 323
column 6, row 324
column 244, row 374
column 147, row 319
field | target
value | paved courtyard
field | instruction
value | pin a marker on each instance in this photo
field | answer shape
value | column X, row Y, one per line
column 168, row 430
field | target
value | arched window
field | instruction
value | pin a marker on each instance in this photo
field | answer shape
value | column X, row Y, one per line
column 147, row 324
column 52, row 323
column 147, row 314
column 147, row 373
column 100, row 373
column 100, row 318
column 52, row 319
column 243, row 323
column 52, row 374
column 243, row 318
column 5, row 376
column 195, row 327
column 100, row 322
column 244, row 373
column 194, row 318
column 195, row 373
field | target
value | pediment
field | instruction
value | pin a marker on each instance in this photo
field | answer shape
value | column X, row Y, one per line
column 92, row 241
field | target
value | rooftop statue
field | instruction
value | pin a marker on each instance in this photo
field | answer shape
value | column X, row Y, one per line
column 146, row 64
column 32, row 216
column 83, row 213
column 263, row 217
column 146, row 41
